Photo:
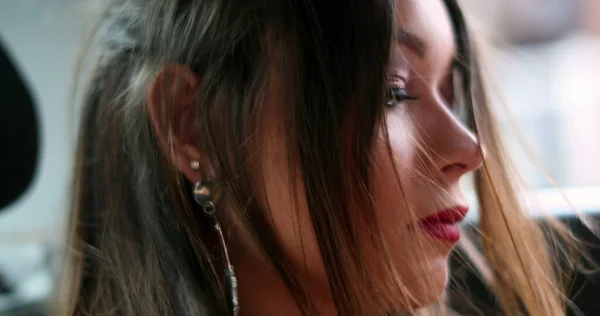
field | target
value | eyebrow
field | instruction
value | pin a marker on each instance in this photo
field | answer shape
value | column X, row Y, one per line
column 412, row 41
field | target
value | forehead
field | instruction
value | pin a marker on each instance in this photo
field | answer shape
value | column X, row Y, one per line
column 430, row 22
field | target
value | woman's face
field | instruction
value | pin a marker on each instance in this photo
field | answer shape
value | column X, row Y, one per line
column 430, row 148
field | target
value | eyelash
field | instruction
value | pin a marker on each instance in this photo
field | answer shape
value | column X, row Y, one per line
column 396, row 96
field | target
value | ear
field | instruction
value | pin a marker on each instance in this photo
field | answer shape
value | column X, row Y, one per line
column 172, row 106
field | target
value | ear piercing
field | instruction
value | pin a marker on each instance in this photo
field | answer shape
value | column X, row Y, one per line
column 195, row 165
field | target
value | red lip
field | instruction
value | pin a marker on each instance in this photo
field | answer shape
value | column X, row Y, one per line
column 444, row 223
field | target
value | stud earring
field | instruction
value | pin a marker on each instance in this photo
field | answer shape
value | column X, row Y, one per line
column 195, row 165
column 206, row 194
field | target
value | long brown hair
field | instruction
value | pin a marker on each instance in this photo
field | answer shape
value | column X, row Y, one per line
column 137, row 245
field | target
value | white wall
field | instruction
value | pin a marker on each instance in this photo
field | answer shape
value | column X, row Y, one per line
column 43, row 37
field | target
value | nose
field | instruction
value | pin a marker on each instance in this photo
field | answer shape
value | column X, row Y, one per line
column 456, row 148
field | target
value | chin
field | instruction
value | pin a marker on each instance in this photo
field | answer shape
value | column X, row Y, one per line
column 429, row 287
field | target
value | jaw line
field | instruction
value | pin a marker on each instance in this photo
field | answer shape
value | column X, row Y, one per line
column 434, row 267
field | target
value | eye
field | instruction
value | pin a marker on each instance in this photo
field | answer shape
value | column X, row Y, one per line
column 447, row 90
column 396, row 96
column 453, row 93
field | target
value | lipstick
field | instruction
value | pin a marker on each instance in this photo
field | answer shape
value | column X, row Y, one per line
column 443, row 224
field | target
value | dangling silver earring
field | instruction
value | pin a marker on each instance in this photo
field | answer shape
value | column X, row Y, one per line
column 206, row 194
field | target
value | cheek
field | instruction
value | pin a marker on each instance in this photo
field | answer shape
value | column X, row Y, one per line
column 423, row 272
column 285, row 206
column 288, row 216
column 392, row 170
column 401, row 200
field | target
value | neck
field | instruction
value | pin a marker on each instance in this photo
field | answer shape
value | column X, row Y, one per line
column 263, row 292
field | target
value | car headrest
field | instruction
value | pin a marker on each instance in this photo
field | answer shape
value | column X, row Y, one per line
column 19, row 139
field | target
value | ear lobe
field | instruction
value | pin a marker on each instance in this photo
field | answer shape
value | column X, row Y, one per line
column 172, row 102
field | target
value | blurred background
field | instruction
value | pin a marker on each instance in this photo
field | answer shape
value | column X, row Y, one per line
column 545, row 55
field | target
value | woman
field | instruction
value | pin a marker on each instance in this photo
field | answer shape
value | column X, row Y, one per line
column 289, row 158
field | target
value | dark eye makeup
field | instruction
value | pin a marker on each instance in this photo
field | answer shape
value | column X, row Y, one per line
column 396, row 95
column 451, row 91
